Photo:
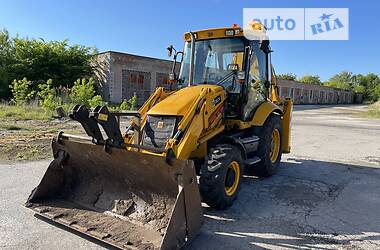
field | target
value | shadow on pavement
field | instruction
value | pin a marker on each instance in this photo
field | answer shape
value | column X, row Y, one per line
column 308, row 204
column 299, row 207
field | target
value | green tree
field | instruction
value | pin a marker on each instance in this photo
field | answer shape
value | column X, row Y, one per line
column 310, row 79
column 371, row 83
column 6, row 59
column 359, row 89
column 343, row 80
column 287, row 76
column 39, row 61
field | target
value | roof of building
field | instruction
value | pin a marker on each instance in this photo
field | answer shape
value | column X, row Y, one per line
column 128, row 54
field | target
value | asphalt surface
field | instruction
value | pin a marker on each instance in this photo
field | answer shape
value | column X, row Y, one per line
column 326, row 195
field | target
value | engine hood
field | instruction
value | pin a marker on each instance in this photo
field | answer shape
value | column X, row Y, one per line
column 179, row 103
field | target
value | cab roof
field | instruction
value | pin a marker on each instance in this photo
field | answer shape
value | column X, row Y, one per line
column 215, row 33
column 234, row 31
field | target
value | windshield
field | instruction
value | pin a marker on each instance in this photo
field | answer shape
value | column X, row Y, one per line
column 213, row 61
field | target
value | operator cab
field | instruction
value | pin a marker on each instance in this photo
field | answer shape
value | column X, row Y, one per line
column 225, row 57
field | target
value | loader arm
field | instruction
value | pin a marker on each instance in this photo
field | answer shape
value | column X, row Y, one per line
column 158, row 95
column 196, row 123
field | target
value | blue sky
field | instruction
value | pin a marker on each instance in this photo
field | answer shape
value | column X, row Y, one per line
column 147, row 27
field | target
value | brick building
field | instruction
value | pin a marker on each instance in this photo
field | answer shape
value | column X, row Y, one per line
column 303, row 93
column 123, row 75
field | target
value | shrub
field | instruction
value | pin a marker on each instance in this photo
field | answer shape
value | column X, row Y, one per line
column 46, row 89
column 83, row 91
column 51, row 102
column 124, row 105
column 97, row 101
column 133, row 102
column 48, row 95
column 374, row 110
column 375, row 94
column 21, row 91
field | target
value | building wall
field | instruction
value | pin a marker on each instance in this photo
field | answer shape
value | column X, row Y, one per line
column 302, row 93
column 123, row 75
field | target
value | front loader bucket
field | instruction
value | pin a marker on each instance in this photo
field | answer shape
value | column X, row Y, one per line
column 125, row 198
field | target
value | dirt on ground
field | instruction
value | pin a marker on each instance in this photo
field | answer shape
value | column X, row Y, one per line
column 25, row 140
column 22, row 140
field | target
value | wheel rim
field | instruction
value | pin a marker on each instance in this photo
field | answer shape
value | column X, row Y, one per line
column 232, row 178
column 275, row 145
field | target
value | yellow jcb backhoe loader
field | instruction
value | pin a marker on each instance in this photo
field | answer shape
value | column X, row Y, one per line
column 142, row 189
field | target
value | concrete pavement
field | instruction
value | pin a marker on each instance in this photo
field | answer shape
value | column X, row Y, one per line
column 326, row 195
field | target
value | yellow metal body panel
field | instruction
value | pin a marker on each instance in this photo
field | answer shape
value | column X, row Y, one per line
column 204, row 118
column 286, row 125
column 263, row 111
column 259, row 117
column 179, row 103
column 201, row 109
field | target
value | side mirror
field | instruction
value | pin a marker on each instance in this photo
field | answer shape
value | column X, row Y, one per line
column 170, row 50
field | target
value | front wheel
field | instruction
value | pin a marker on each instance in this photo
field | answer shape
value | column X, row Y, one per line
column 221, row 176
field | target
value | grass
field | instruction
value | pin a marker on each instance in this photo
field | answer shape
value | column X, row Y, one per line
column 24, row 112
column 10, row 127
column 31, row 152
column 374, row 110
column 28, row 149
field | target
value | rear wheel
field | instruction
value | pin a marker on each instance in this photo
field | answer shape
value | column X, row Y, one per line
column 221, row 176
column 270, row 146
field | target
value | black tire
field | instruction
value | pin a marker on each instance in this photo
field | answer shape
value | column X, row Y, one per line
column 217, row 182
column 267, row 166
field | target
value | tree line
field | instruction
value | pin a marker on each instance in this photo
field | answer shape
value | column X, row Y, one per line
column 38, row 61
column 368, row 85
column 52, row 74
column 27, row 65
